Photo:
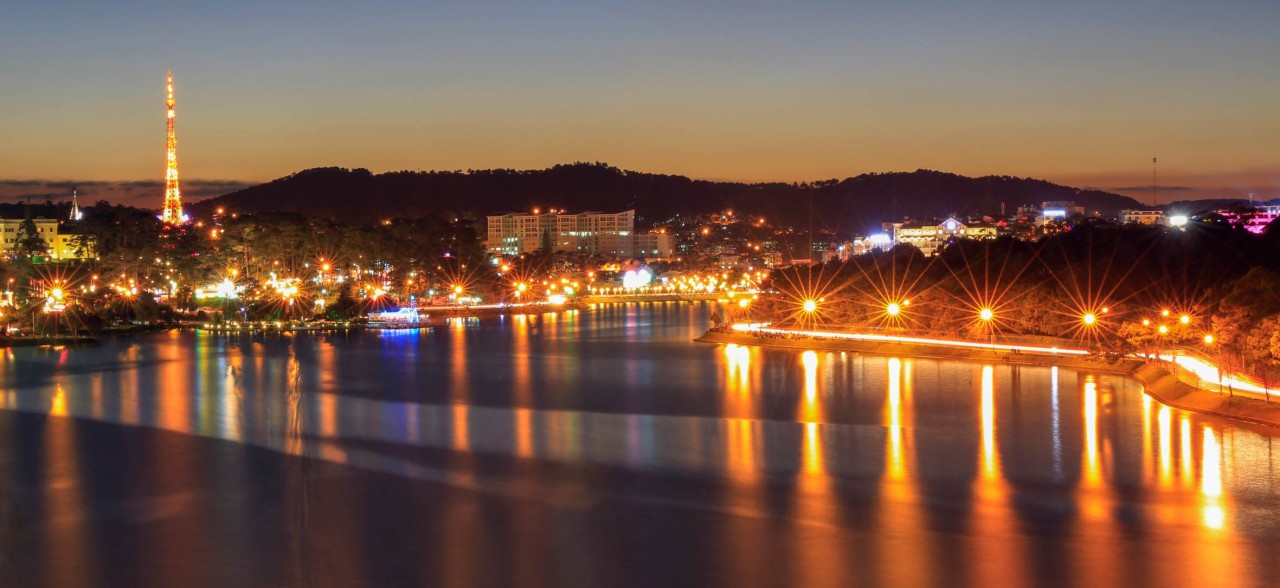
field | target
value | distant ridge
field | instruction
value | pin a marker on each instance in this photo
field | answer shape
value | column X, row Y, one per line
column 855, row 204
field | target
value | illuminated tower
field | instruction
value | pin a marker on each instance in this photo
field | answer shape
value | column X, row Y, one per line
column 172, row 196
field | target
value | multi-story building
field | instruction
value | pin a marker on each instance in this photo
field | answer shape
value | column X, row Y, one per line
column 585, row 232
column 1142, row 217
column 931, row 238
column 1061, row 208
column 653, row 245
column 58, row 245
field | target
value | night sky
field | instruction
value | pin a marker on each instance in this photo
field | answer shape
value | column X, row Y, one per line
column 1075, row 92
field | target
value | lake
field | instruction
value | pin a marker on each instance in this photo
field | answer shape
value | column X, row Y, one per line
column 603, row 447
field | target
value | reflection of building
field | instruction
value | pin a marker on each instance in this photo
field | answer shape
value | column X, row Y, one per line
column 58, row 245
column 930, row 238
column 584, row 232
column 1141, row 217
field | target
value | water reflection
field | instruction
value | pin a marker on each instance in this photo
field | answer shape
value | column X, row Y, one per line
column 893, row 458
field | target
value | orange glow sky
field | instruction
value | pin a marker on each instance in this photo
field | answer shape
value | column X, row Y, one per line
column 1080, row 94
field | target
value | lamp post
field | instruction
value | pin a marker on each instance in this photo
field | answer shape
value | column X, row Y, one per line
column 987, row 315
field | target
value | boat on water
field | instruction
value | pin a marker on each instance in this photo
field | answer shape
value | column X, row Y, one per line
column 402, row 318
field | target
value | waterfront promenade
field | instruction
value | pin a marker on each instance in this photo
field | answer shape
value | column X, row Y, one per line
column 1180, row 378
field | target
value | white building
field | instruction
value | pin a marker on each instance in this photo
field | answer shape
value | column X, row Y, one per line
column 876, row 242
column 930, row 238
column 585, row 232
column 1141, row 217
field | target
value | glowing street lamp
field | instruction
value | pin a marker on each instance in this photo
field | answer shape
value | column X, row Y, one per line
column 1089, row 319
column 986, row 315
column 1208, row 339
column 1164, row 330
column 810, row 306
column 1184, row 319
column 893, row 309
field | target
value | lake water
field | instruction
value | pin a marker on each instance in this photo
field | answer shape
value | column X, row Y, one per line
column 604, row 448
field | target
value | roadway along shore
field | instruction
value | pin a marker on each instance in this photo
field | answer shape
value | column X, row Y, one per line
column 1155, row 378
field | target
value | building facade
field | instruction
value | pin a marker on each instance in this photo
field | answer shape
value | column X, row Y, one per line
column 653, row 245
column 931, row 238
column 59, row 245
column 585, row 232
column 1141, row 217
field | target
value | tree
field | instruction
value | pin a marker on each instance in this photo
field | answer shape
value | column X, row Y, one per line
column 30, row 243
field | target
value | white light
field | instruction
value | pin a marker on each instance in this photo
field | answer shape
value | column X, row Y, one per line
column 633, row 279
column 1178, row 220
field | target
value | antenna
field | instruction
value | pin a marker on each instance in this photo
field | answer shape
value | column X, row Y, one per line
column 1155, row 186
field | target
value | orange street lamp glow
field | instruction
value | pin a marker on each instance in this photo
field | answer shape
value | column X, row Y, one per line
column 743, row 303
column 1163, row 329
column 810, row 306
column 1146, row 322
column 893, row 309
column 1184, row 319
column 1164, row 312
column 986, row 314
column 1208, row 339
column 1090, row 319
column 457, row 290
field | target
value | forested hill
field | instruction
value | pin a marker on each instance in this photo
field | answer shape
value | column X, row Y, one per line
column 853, row 204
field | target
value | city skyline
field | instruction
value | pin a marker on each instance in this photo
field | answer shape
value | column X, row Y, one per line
column 780, row 94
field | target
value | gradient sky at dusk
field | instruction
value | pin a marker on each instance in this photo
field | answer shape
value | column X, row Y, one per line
column 1076, row 92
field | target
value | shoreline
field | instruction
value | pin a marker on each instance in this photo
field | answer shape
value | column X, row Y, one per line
column 1156, row 381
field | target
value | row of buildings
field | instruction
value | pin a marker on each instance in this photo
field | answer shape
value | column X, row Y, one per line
column 588, row 233
column 930, row 237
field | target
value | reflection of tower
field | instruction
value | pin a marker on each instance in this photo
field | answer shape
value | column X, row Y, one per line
column 172, row 196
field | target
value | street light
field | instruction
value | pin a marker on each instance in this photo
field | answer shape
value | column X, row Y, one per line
column 986, row 314
column 1184, row 319
column 1089, row 319
column 1208, row 339
column 893, row 309
column 1164, row 330
column 810, row 306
